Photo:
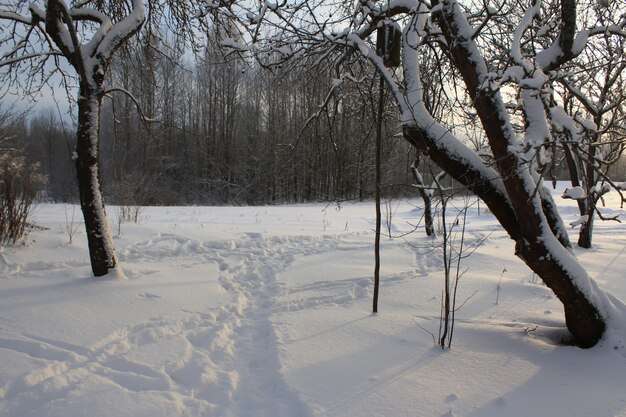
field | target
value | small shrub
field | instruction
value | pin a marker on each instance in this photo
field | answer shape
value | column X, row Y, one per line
column 19, row 185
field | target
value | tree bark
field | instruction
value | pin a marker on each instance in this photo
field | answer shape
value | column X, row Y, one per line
column 586, row 230
column 533, row 232
column 584, row 235
column 101, row 248
column 581, row 316
column 377, row 179
column 428, row 212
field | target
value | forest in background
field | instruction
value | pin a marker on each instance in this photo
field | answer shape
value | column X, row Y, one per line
column 224, row 131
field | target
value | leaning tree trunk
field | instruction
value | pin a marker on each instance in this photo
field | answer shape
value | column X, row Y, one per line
column 535, row 223
column 101, row 248
column 581, row 316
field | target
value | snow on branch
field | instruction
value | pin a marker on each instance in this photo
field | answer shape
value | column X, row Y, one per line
column 15, row 17
column 233, row 44
column 579, row 221
column 121, row 31
column 609, row 30
column 516, row 47
column 61, row 30
column 565, row 47
column 105, row 25
column 574, row 193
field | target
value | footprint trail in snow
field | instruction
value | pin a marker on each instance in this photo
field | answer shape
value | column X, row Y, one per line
column 221, row 362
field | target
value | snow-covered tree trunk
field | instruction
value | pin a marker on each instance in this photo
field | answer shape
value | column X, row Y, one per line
column 536, row 241
column 90, row 58
column 86, row 158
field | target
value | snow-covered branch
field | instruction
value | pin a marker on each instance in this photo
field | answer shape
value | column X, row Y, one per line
column 116, row 35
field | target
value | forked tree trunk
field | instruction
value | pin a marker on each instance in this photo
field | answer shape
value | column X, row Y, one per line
column 101, row 248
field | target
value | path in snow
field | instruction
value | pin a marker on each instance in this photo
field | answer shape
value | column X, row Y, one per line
column 220, row 362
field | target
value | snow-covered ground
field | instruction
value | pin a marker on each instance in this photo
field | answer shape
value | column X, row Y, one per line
column 265, row 311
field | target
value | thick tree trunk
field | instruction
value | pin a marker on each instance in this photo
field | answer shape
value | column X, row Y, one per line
column 521, row 211
column 581, row 316
column 478, row 181
column 90, row 56
column 101, row 248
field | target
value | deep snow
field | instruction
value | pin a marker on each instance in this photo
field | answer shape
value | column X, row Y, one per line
column 265, row 311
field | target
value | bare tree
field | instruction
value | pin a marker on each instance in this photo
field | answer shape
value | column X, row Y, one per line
column 593, row 128
column 87, row 39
